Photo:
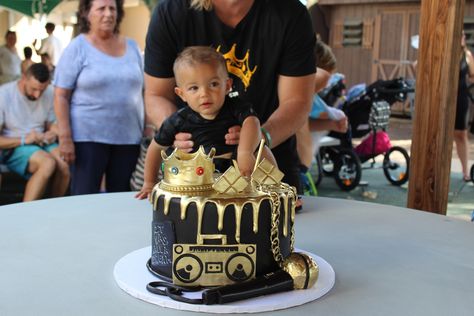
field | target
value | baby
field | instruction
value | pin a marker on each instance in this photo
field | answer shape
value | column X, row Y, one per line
column 203, row 83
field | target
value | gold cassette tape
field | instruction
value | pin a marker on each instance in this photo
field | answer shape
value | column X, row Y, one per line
column 213, row 265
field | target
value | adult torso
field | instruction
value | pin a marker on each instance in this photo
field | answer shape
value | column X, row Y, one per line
column 256, row 50
column 19, row 116
column 10, row 65
column 106, row 103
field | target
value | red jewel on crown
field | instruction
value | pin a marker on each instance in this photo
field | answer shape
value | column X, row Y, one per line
column 199, row 171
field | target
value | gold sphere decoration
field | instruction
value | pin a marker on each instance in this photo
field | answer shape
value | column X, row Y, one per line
column 302, row 269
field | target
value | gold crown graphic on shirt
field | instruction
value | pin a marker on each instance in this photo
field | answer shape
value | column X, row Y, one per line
column 188, row 171
column 239, row 67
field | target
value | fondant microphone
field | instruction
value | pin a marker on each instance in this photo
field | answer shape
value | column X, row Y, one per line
column 299, row 272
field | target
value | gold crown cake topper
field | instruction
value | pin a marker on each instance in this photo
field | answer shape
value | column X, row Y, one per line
column 194, row 172
column 189, row 170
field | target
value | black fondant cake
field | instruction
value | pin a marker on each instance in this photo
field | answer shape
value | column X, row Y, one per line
column 210, row 230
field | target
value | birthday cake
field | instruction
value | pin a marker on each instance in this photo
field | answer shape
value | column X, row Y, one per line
column 213, row 229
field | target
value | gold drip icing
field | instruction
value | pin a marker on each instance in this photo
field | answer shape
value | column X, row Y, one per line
column 184, row 202
column 200, row 211
column 220, row 216
column 166, row 200
column 238, row 219
column 276, row 194
column 221, row 201
column 256, row 208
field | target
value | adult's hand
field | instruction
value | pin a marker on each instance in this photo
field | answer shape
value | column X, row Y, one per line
column 183, row 141
column 233, row 135
column 49, row 137
column 340, row 125
column 33, row 137
column 67, row 150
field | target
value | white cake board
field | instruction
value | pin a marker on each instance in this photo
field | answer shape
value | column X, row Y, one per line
column 132, row 275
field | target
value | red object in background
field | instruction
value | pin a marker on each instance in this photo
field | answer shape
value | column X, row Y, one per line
column 367, row 148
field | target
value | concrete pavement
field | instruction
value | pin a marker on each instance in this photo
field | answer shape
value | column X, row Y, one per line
column 379, row 190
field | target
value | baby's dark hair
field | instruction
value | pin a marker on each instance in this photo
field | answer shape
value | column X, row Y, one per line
column 325, row 58
column 195, row 55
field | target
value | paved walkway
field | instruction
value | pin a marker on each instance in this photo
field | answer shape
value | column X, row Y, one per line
column 379, row 190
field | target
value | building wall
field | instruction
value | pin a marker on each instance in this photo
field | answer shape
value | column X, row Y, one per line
column 3, row 26
column 135, row 24
column 357, row 63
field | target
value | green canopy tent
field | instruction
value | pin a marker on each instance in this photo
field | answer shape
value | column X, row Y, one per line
column 30, row 7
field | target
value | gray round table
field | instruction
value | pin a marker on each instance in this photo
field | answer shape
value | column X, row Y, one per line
column 58, row 255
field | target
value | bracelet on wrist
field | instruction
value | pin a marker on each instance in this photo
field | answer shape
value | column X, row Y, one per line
column 266, row 137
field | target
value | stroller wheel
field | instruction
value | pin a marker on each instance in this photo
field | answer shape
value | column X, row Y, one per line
column 326, row 161
column 347, row 170
column 396, row 165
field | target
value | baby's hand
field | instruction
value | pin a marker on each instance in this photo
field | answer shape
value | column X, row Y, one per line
column 246, row 162
column 145, row 191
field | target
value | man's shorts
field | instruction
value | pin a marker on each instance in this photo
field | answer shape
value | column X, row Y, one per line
column 17, row 159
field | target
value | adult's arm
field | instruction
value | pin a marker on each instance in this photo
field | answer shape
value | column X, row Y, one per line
column 295, row 95
column 13, row 142
column 322, row 78
column 159, row 99
column 318, row 125
column 9, row 142
column 62, row 99
column 159, row 105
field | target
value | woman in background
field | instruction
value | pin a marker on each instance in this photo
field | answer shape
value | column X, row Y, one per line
column 10, row 62
column 462, row 108
column 98, row 100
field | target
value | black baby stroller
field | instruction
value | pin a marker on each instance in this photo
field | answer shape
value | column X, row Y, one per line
column 369, row 112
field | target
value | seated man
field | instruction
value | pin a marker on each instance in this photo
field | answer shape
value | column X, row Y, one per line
column 28, row 133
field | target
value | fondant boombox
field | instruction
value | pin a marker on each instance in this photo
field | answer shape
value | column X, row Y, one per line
column 207, row 265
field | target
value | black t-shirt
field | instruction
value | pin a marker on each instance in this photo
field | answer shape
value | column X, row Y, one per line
column 207, row 133
column 275, row 38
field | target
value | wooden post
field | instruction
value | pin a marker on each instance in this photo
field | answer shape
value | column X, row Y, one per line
column 435, row 104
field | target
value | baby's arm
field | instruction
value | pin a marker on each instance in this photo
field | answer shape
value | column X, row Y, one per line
column 152, row 166
column 249, row 140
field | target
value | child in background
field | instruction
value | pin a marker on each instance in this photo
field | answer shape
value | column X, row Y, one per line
column 203, row 83
column 322, row 117
column 27, row 62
